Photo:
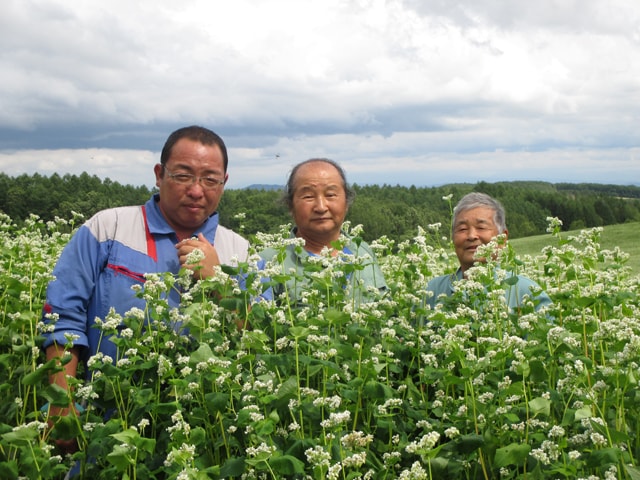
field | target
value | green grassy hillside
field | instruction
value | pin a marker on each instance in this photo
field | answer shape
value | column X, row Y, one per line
column 624, row 236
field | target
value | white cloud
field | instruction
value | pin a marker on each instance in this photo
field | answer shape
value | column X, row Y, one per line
column 366, row 162
column 392, row 85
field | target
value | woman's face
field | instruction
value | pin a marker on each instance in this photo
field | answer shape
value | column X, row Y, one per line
column 319, row 203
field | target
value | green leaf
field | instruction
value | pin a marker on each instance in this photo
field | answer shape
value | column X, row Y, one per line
column 377, row 390
column 336, row 316
column 217, row 401
column 633, row 472
column 286, row 465
column 540, row 406
column 198, row 436
column 42, row 373
column 584, row 302
column 513, row 454
column 299, row 332
column 5, row 360
column 9, row 470
column 604, row 457
column 511, row 280
column 132, row 437
column 584, row 412
column 288, row 388
column 523, row 369
column 126, row 436
column 67, row 427
column 202, row 354
column 232, row 304
column 120, row 457
column 538, row 372
column 143, row 396
column 234, row 467
column 264, row 428
column 56, row 395
column 469, row 443
column 22, row 436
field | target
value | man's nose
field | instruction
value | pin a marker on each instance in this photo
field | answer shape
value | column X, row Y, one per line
column 320, row 203
column 472, row 233
column 195, row 189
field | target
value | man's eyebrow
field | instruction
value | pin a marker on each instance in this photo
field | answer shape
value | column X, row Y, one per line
column 190, row 169
column 313, row 188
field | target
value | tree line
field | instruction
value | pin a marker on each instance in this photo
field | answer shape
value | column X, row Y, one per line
column 383, row 210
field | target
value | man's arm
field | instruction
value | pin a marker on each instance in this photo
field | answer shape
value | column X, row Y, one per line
column 70, row 369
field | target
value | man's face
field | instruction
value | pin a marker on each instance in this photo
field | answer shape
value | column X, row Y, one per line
column 473, row 228
column 186, row 207
column 319, row 202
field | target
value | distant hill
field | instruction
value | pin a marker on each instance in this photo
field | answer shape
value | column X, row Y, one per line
column 261, row 186
column 396, row 212
column 624, row 236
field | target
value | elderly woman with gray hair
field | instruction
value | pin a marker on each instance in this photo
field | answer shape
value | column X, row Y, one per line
column 478, row 219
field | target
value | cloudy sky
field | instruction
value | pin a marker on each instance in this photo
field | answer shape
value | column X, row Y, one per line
column 409, row 92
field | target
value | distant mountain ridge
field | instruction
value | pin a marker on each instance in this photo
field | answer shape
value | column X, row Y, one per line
column 383, row 210
column 264, row 186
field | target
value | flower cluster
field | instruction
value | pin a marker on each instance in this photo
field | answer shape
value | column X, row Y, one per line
column 332, row 388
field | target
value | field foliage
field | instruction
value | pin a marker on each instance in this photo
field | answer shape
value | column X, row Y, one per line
column 391, row 210
column 623, row 236
column 328, row 388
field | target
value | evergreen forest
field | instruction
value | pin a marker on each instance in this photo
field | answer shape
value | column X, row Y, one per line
column 383, row 210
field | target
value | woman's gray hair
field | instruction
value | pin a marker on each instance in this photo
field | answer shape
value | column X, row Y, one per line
column 476, row 199
column 287, row 196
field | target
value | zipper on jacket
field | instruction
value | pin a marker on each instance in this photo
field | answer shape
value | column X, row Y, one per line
column 125, row 271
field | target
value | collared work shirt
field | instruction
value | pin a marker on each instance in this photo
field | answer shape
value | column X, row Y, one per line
column 514, row 293
column 361, row 280
column 109, row 254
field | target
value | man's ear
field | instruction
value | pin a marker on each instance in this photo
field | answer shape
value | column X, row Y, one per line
column 157, row 169
column 506, row 234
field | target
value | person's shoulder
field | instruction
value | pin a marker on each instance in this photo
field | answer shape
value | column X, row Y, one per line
column 438, row 281
column 227, row 234
column 289, row 250
column 362, row 246
column 231, row 246
column 268, row 253
column 365, row 245
column 113, row 216
column 125, row 224
column 524, row 281
column 115, row 212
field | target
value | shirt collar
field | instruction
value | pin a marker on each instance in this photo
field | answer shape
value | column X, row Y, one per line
column 306, row 253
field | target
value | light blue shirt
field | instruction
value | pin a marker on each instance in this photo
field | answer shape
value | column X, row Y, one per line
column 295, row 260
column 514, row 292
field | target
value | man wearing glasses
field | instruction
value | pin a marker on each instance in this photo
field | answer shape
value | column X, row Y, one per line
column 114, row 249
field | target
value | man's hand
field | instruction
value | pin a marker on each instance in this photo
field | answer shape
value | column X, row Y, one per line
column 204, row 267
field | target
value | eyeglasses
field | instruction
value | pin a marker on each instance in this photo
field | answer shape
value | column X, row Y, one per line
column 208, row 183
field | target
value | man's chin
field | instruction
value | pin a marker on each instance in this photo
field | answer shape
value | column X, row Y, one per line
column 193, row 222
